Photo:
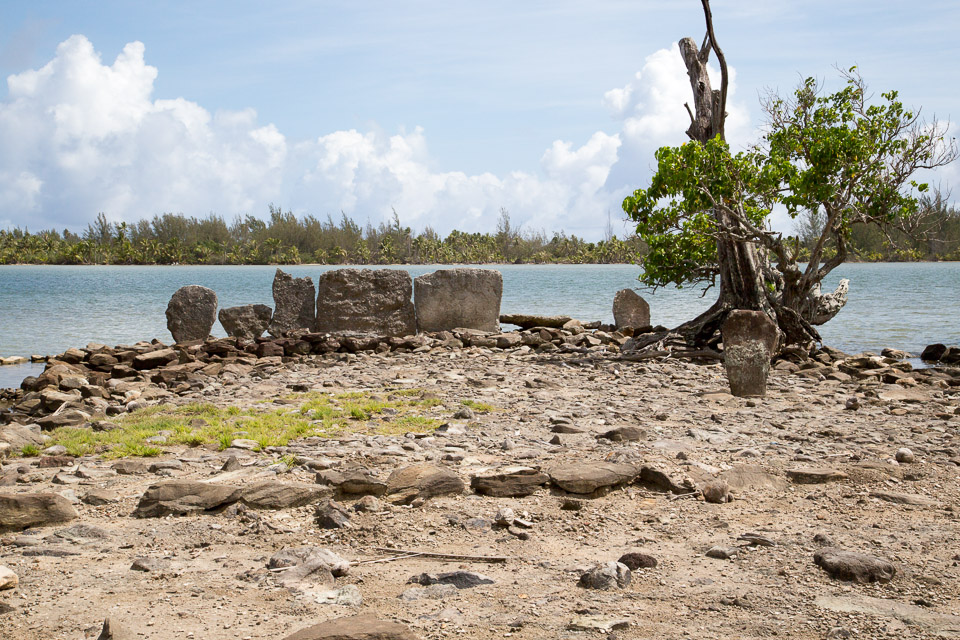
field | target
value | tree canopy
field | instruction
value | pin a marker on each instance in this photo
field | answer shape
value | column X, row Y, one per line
column 841, row 156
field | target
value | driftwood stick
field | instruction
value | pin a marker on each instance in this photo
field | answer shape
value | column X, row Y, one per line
column 444, row 556
column 391, row 559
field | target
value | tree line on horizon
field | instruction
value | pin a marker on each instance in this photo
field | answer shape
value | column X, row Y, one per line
column 286, row 239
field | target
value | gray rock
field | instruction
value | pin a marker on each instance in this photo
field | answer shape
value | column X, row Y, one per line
column 592, row 622
column 191, row 313
column 332, row 515
column 366, row 301
column 181, row 497
column 158, row 358
column 606, row 576
column 23, row 510
column 630, row 310
column 747, row 366
column 749, row 341
column 722, row 553
column 588, row 478
column 623, row 434
column 293, row 300
column 423, row 480
column 815, row 475
column 510, row 483
column 150, row 565
column 273, row 494
column 346, row 596
column 905, row 456
column 312, row 557
column 453, row 298
column 248, row 321
column 19, row 436
column 363, row 627
column 853, row 566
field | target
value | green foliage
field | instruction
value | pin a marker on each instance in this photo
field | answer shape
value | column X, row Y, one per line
column 287, row 239
column 834, row 161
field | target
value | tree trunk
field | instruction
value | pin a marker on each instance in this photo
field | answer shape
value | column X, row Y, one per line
column 741, row 276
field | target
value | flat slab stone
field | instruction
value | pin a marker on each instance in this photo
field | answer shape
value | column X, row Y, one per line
column 526, row 321
column 22, row 510
column 183, row 497
column 746, row 477
column 588, row 477
column 364, row 627
column 815, row 475
column 854, row 566
column 904, row 498
column 943, row 624
column 271, row 494
column 422, row 480
column 510, row 483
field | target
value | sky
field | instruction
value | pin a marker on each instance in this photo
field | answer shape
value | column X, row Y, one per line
column 445, row 112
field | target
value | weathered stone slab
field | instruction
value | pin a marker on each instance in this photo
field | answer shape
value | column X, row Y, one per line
column 18, row 435
column 529, row 321
column 22, row 510
column 815, row 475
column 248, row 321
column 293, row 301
column 630, row 310
column 422, row 480
column 363, row 627
column 191, row 312
column 853, row 566
column 510, row 483
column 273, row 494
column 365, row 301
column 749, row 341
column 589, row 477
column 452, row 298
column 181, row 497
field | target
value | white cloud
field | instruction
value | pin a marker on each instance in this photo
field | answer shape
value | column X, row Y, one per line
column 81, row 137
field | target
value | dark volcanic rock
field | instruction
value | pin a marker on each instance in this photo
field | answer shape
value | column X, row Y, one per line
column 850, row 565
column 191, row 313
column 527, row 321
column 453, row 298
column 459, row 579
column 636, row 560
column 247, row 322
column 366, row 301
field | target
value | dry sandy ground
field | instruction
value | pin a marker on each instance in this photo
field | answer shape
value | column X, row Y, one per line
column 209, row 577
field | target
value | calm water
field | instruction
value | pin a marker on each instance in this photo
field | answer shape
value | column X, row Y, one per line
column 46, row 309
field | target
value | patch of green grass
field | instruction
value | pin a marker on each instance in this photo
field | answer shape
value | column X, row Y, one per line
column 319, row 414
column 482, row 407
column 30, row 451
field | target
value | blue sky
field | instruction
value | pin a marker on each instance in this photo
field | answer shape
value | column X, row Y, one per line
column 445, row 111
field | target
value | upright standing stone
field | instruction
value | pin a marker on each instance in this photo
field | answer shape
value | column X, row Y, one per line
column 247, row 322
column 630, row 310
column 365, row 301
column 293, row 304
column 749, row 341
column 191, row 313
column 452, row 298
